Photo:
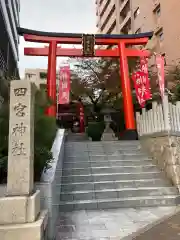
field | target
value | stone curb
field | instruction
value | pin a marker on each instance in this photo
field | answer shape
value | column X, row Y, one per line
column 160, row 134
column 151, row 225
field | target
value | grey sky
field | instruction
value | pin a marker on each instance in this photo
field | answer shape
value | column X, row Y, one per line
column 57, row 16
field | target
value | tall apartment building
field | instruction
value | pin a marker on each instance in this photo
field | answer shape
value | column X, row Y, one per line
column 38, row 76
column 9, row 40
column 136, row 16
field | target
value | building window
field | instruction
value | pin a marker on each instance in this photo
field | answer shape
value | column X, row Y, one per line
column 138, row 31
column 136, row 13
column 161, row 36
column 158, row 11
column 43, row 75
column 164, row 55
column 29, row 75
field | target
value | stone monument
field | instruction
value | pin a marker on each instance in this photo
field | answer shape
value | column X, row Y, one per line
column 20, row 215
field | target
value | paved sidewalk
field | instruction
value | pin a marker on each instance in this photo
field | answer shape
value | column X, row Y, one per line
column 107, row 225
column 169, row 229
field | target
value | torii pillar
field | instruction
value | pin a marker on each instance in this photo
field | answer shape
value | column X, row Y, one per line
column 51, row 78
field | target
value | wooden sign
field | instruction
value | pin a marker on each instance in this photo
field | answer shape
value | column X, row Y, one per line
column 88, row 42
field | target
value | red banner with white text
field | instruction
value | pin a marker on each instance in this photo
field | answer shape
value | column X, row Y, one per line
column 144, row 69
column 160, row 70
column 144, row 65
column 141, row 84
column 64, row 85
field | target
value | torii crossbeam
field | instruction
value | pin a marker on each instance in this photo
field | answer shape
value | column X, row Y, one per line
column 71, row 52
column 122, row 51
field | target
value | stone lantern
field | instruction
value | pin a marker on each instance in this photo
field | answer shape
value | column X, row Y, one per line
column 108, row 134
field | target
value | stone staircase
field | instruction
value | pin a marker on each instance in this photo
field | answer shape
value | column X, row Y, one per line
column 76, row 137
column 105, row 175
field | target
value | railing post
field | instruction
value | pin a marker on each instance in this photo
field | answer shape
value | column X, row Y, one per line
column 166, row 113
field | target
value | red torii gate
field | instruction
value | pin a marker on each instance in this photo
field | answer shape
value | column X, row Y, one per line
column 121, row 51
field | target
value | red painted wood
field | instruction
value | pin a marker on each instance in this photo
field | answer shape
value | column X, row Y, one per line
column 65, row 40
column 130, row 52
column 44, row 39
column 68, row 52
column 126, row 89
column 81, row 117
column 51, row 78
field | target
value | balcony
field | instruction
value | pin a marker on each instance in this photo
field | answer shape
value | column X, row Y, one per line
column 109, row 24
column 108, row 18
column 103, row 7
column 157, row 17
column 16, row 11
column 9, row 29
column 156, row 3
column 124, row 22
column 158, row 26
column 97, row 22
column 123, row 5
column 12, row 21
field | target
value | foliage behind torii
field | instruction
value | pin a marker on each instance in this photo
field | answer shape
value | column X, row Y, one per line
column 97, row 81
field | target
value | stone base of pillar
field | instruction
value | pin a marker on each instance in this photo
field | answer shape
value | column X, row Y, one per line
column 20, row 218
column 129, row 135
column 19, row 209
column 108, row 134
column 27, row 231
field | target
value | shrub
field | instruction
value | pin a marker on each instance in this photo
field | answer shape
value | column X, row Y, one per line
column 95, row 130
column 4, row 125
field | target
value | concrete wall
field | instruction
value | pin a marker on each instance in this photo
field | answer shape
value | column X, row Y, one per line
column 165, row 150
column 159, row 133
column 50, row 185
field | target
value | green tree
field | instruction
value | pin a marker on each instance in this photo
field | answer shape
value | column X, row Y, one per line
column 96, row 81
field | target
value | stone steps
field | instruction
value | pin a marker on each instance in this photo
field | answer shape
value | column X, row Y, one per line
column 109, row 169
column 130, row 143
column 76, row 186
column 114, row 174
column 105, row 164
column 101, row 157
column 111, row 177
column 133, row 202
column 78, row 137
column 117, row 193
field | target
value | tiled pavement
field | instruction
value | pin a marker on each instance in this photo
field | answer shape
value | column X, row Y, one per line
column 108, row 224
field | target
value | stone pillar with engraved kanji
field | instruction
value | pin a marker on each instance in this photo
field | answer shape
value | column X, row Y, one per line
column 21, row 140
column 20, row 207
